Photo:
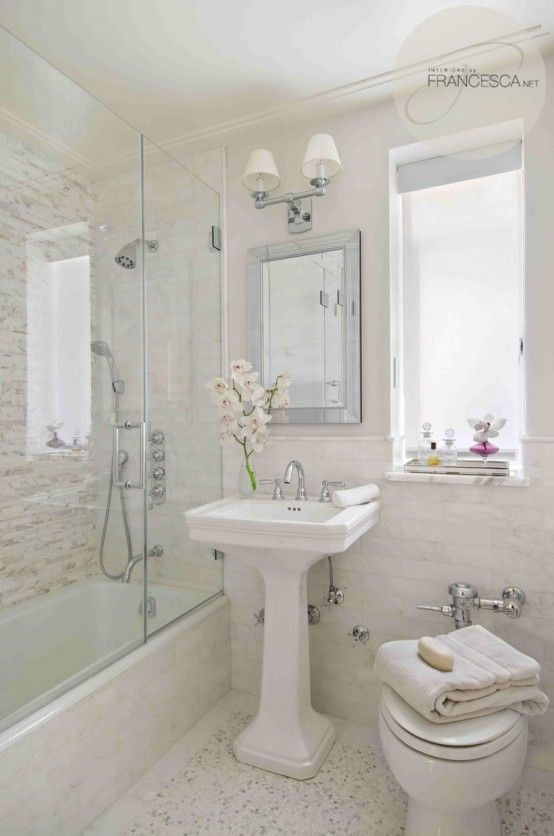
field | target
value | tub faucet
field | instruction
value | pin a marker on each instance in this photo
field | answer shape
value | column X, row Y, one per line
column 295, row 465
column 155, row 551
column 130, row 566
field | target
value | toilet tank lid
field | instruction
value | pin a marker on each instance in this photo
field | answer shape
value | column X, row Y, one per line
column 470, row 732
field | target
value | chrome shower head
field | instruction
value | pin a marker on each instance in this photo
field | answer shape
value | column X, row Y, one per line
column 127, row 255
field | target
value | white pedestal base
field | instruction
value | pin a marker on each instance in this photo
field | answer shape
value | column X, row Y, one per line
column 287, row 735
column 299, row 756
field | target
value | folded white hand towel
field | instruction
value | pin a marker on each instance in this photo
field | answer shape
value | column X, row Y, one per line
column 488, row 675
column 356, row 496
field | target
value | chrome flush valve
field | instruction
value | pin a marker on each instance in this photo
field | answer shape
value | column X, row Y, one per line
column 465, row 597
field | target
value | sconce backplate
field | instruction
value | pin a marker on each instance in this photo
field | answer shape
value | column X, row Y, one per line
column 300, row 215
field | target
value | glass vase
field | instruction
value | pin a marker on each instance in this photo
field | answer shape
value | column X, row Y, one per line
column 247, row 482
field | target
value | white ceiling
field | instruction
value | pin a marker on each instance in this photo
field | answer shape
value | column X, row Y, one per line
column 173, row 68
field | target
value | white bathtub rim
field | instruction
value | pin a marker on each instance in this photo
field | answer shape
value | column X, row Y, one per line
column 163, row 636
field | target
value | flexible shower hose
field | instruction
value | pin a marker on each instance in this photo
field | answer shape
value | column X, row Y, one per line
column 105, row 572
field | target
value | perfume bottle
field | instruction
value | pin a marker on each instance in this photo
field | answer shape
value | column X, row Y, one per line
column 433, row 457
column 424, row 446
column 449, row 451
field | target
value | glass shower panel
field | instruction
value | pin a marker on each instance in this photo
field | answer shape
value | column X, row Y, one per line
column 183, row 351
column 71, row 367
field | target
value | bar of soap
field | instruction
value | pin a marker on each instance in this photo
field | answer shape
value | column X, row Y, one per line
column 435, row 653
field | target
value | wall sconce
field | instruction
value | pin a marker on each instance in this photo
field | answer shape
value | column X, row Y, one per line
column 321, row 162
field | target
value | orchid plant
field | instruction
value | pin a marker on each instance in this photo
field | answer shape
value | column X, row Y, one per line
column 244, row 408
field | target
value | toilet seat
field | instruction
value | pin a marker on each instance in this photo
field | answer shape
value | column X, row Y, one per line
column 460, row 740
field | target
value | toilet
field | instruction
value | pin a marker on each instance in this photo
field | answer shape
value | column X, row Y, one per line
column 453, row 773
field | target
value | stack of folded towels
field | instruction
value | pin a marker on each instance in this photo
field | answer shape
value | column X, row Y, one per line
column 476, row 673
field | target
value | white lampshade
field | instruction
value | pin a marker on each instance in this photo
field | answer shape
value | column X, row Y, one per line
column 260, row 165
column 321, row 150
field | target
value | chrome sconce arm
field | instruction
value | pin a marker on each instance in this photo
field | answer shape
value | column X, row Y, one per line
column 262, row 199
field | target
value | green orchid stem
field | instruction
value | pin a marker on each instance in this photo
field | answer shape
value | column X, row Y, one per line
column 249, row 470
column 251, row 475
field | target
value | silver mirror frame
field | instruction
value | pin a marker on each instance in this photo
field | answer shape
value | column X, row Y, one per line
column 349, row 242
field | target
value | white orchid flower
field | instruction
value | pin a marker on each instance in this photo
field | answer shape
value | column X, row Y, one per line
column 254, row 423
column 258, row 396
column 244, row 407
column 228, row 423
column 283, row 381
column 217, row 386
column 228, row 402
column 248, row 382
column 486, row 427
column 259, row 440
column 239, row 367
column 281, row 400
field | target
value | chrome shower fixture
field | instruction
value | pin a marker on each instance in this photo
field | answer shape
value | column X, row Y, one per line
column 127, row 255
column 102, row 349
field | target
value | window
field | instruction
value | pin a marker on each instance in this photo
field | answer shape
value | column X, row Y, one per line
column 460, row 299
column 58, row 346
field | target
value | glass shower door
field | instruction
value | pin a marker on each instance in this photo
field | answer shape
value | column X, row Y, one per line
column 71, row 368
column 183, row 348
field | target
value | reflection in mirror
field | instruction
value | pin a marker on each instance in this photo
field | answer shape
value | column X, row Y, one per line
column 304, row 312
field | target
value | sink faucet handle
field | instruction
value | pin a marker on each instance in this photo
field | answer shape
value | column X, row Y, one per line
column 325, row 492
column 277, row 489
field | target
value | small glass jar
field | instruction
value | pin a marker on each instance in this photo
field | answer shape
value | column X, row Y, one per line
column 433, row 457
column 424, row 446
column 449, row 452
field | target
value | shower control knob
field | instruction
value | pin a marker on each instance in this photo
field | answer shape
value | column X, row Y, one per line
column 156, row 551
column 158, row 455
column 157, row 437
column 157, row 491
column 158, row 473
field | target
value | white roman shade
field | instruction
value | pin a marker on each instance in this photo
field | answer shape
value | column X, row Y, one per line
column 438, row 171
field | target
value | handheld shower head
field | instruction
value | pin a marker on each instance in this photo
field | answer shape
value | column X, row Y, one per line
column 102, row 349
column 127, row 255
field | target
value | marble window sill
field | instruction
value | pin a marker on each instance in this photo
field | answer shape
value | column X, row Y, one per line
column 515, row 481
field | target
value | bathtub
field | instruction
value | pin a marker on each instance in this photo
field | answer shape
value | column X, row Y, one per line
column 53, row 642
column 104, row 704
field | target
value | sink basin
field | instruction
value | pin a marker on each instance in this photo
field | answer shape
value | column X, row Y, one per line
column 292, row 533
column 282, row 539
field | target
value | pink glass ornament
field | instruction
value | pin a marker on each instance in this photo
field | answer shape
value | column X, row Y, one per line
column 484, row 449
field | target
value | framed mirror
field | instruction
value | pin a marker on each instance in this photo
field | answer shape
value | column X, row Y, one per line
column 304, row 317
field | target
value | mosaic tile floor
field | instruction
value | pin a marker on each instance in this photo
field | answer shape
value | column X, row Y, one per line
column 354, row 794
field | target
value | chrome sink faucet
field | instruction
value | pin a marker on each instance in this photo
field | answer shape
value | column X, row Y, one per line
column 295, row 465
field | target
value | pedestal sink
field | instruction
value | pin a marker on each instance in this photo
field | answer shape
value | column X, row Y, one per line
column 282, row 539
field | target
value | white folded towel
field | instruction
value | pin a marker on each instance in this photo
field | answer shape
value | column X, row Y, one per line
column 488, row 675
column 356, row 496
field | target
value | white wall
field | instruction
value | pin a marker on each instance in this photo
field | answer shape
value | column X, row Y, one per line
column 429, row 535
column 358, row 198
